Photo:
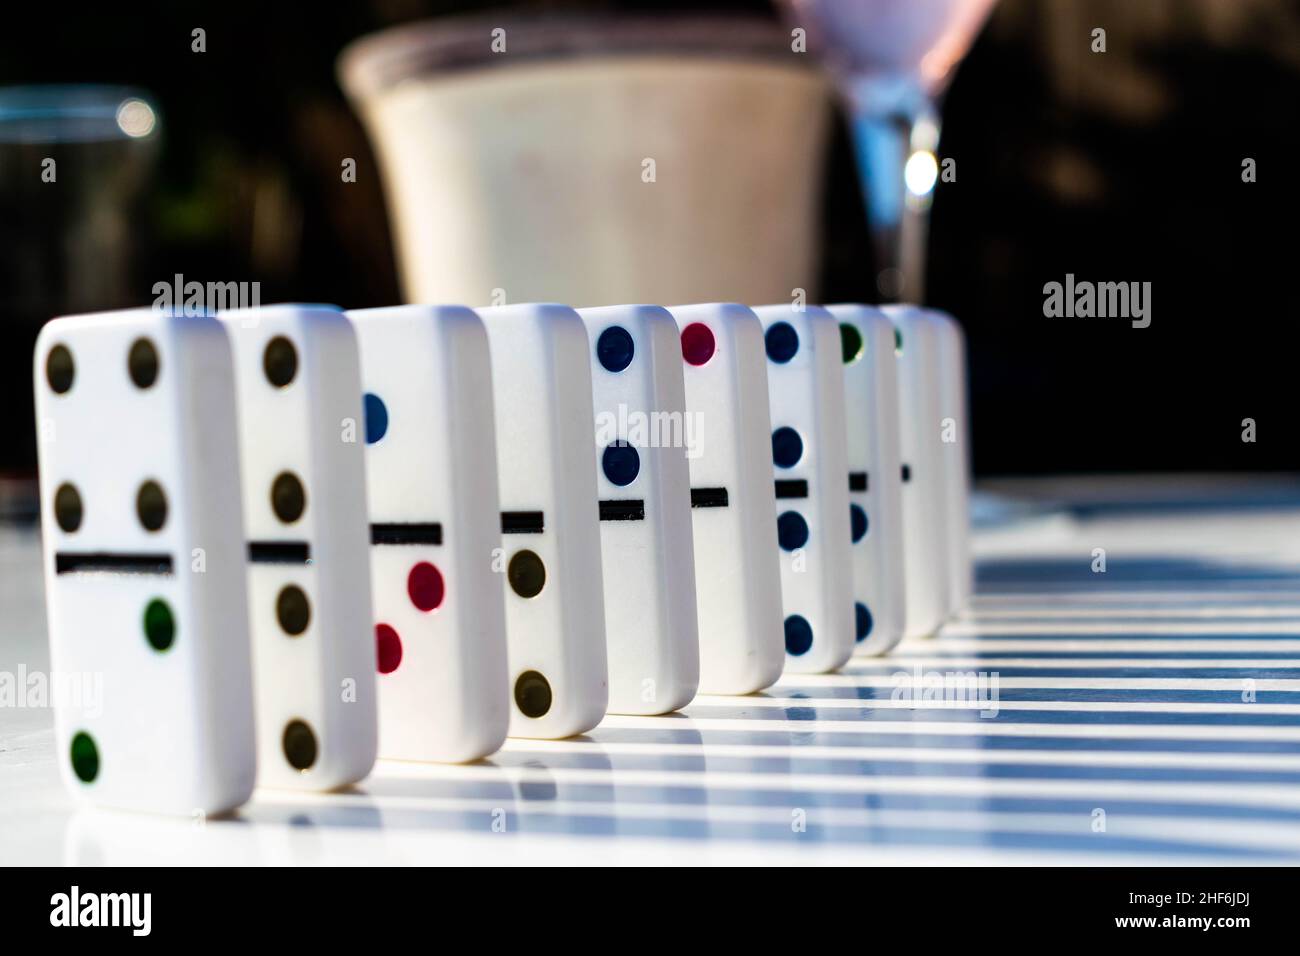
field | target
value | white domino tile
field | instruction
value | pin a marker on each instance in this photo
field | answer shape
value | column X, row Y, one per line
column 875, row 484
column 956, row 452
column 737, row 571
column 144, row 563
column 643, row 479
column 551, row 557
column 927, row 566
column 805, row 380
column 435, row 526
column 304, row 487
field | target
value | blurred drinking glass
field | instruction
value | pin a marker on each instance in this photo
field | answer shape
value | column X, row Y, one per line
column 891, row 60
column 596, row 159
column 73, row 162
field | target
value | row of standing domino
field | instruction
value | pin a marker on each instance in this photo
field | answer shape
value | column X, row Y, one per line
column 245, row 514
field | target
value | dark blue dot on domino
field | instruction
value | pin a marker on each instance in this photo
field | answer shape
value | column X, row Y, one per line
column 376, row 418
column 782, row 342
column 614, row 349
column 857, row 522
column 787, row 447
column 798, row 635
column 862, row 621
column 621, row 463
column 791, row 531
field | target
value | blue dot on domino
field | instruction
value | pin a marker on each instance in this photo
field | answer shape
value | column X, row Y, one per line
column 862, row 621
column 376, row 418
column 787, row 447
column 782, row 342
column 614, row 348
column 621, row 463
column 791, row 531
column 857, row 522
column 798, row 635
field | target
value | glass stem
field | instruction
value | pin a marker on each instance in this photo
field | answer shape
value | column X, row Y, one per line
column 897, row 216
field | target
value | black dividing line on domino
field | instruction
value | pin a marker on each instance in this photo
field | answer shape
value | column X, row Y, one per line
column 709, row 498
column 857, row 481
column 109, row 562
column 792, row 488
column 522, row 522
column 428, row 532
column 279, row 552
column 623, row 509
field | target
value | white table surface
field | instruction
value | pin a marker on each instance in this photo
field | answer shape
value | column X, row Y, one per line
column 1120, row 699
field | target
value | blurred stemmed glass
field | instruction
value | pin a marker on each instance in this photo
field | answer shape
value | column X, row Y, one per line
column 892, row 60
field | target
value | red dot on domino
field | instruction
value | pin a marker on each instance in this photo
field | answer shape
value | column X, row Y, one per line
column 388, row 647
column 425, row 586
column 698, row 344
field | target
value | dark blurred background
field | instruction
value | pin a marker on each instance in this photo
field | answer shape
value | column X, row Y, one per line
column 1117, row 167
